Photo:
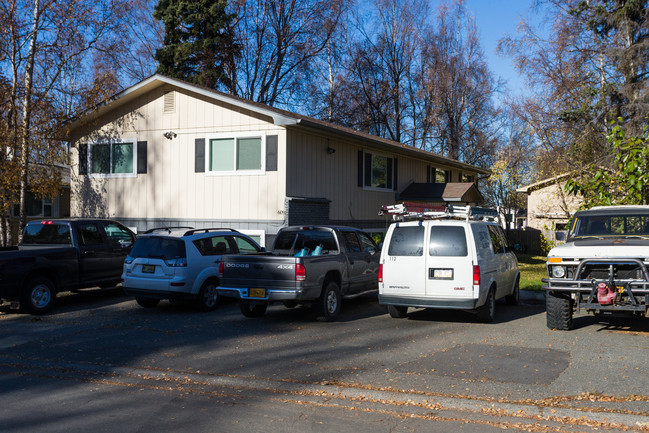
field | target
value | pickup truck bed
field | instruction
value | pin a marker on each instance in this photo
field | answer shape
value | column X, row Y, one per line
column 330, row 263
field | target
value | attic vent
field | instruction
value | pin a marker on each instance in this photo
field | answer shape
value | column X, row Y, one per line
column 169, row 102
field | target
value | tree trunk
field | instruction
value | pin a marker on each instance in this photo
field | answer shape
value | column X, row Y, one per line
column 26, row 120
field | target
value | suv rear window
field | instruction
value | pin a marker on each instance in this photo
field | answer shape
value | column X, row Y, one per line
column 407, row 241
column 47, row 234
column 309, row 239
column 448, row 241
column 158, row 248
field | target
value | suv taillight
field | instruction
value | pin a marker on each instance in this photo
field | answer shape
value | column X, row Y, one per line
column 476, row 275
column 221, row 267
column 380, row 272
column 177, row 263
column 300, row 272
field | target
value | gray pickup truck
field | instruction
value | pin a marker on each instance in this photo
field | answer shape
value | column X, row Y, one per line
column 312, row 266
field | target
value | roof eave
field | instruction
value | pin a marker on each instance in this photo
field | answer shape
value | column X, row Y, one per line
column 157, row 80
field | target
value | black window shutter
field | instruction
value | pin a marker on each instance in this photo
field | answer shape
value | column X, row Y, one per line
column 83, row 158
column 199, row 159
column 368, row 169
column 388, row 183
column 271, row 153
column 141, row 157
column 396, row 172
column 360, row 168
column 428, row 170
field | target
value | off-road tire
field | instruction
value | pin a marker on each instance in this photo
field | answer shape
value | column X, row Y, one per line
column 38, row 296
column 558, row 311
column 147, row 302
column 397, row 312
column 208, row 297
column 513, row 298
column 327, row 306
column 252, row 308
column 485, row 313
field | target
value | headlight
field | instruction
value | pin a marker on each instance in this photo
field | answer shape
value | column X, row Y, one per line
column 558, row 271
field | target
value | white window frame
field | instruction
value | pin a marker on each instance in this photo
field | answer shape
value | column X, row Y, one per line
column 236, row 136
column 91, row 145
column 388, row 188
column 260, row 233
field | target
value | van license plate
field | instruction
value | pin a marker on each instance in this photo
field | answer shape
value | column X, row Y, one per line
column 148, row 269
column 257, row 293
column 442, row 274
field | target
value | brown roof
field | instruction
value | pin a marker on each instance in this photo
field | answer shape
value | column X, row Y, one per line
column 454, row 192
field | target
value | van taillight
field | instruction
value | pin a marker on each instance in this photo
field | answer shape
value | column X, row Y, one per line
column 380, row 272
column 300, row 272
column 221, row 269
column 476, row 275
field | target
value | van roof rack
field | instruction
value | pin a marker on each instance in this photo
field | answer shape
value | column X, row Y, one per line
column 408, row 211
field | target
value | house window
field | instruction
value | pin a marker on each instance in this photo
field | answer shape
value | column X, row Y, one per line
column 36, row 207
column 236, row 154
column 441, row 176
column 378, row 172
column 114, row 159
column 467, row 178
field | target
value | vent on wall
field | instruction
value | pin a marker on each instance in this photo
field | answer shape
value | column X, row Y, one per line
column 169, row 102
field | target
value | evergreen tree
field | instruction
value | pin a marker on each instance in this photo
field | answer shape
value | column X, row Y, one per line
column 199, row 41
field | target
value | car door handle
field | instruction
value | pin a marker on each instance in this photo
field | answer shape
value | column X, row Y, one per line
column 351, row 262
column 259, row 266
column 86, row 252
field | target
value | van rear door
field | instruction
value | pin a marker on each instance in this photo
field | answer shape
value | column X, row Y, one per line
column 405, row 261
column 449, row 264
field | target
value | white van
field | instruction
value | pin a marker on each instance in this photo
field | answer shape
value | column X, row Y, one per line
column 447, row 263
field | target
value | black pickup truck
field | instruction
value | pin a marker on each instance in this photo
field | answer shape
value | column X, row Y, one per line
column 313, row 266
column 58, row 255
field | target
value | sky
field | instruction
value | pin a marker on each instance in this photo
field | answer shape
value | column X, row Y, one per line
column 494, row 19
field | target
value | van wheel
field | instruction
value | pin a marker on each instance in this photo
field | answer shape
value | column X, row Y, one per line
column 208, row 296
column 327, row 306
column 147, row 302
column 252, row 308
column 487, row 311
column 39, row 295
column 558, row 311
column 513, row 298
column 397, row 312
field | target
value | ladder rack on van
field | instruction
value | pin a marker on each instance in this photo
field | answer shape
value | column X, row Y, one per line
column 403, row 212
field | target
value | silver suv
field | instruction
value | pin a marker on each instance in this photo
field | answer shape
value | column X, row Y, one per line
column 181, row 264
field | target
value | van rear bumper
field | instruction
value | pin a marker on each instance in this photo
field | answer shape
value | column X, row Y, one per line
column 402, row 301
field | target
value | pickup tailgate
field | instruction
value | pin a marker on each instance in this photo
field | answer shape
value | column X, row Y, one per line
column 263, row 271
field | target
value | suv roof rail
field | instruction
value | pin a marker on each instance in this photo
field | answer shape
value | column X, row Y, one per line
column 165, row 229
column 413, row 211
column 207, row 230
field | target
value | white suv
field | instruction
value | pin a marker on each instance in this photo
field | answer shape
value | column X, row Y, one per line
column 447, row 263
column 181, row 263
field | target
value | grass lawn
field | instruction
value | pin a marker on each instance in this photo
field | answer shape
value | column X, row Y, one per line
column 532, row 270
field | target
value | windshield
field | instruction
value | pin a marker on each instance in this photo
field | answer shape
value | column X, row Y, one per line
column 610, row 226
column 47, row 234
column 158, row 248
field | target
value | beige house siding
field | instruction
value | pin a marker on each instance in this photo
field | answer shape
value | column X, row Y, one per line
column 313, row 172
column 171, row 189
column 549, row 207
